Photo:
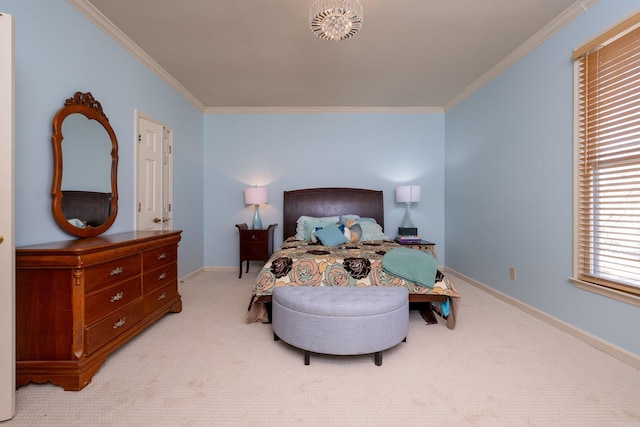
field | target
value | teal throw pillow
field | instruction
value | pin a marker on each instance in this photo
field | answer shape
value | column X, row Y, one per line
column 331, row 235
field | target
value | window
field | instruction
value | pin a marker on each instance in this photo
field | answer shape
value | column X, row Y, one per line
column 607, row 202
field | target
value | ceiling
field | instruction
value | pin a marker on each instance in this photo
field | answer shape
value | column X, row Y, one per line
column 261, row 54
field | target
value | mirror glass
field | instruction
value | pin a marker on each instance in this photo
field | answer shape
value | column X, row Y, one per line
column 86, row 155
column 84, row 188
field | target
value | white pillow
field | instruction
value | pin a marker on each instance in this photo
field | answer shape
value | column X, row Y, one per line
column 306, row 224
column 372, row 231
column 345, row 218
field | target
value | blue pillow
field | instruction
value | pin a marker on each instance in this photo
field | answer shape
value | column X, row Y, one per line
column 331, row 235
column 307, row 224
column 311, row 226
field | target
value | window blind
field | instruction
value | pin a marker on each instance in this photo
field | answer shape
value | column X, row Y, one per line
column 608, row 161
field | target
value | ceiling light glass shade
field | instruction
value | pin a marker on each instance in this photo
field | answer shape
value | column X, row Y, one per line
column 335, row 19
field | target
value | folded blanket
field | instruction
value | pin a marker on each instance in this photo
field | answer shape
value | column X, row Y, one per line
column 411, row 264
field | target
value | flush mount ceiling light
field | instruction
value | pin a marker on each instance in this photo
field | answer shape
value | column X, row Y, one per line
column 335, row 19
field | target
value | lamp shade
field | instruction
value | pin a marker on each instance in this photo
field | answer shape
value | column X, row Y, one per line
column 256, row 195
column 408, row 193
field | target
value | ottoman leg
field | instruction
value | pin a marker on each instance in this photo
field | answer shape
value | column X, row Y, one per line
column 276, row 337
column 307, row 355
column 378, row 358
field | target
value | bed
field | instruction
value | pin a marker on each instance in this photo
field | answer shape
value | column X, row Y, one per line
column 305, row 263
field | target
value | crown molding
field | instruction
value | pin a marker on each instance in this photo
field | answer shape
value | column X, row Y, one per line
column 572, row 12
column 323, row 110
column 102, row 22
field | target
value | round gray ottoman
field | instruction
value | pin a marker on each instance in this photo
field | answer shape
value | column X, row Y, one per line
column 341, row 320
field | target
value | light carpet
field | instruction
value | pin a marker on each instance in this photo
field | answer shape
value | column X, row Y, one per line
column 207, row 367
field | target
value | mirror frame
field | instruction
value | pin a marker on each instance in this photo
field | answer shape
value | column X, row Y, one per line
column 87, row 105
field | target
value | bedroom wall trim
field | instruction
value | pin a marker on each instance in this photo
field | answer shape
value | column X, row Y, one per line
column 323, row 110
column 575, row 10
column 607, row 292
column 222, row 269
column 191, row 275
column 95, row 16
column 101, row 21
column 602, row 345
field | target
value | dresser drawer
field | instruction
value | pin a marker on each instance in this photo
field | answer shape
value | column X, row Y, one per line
column 104, row 302
column 100, row 333
column 159, row 297
column 159, row 277
column 111, row 272
column 160, row 256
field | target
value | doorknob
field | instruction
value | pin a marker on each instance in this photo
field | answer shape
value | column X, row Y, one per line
column 157, row 220
column 1, row 239
column 166, row 219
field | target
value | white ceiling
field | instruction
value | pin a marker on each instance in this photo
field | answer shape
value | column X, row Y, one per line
column 257, row 54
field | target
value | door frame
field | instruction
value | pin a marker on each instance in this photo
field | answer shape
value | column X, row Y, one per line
column 167, row 173
column 7, row 220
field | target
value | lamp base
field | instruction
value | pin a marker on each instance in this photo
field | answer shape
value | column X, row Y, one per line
column 257, row 222
column 407, row 231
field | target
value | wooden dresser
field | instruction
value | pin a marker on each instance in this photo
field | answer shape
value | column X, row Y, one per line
column 79, row 300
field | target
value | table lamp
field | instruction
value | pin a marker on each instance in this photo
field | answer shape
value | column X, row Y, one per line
column 407, row 194
column 255, row 196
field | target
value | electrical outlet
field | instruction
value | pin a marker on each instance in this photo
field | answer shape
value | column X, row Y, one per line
column 512, row 273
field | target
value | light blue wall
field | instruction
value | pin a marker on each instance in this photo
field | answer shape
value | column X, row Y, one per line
column 508, row 160
column 294, row 151
column 59, row 52
column 509, row 185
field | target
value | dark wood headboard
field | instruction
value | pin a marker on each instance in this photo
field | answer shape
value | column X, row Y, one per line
column 91, row 207
column 319, row 202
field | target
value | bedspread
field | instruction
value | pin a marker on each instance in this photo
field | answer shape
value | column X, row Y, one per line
column 298, row 263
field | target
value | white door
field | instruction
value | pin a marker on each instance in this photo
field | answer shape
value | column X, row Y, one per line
column 7, row 245
column 154, row 190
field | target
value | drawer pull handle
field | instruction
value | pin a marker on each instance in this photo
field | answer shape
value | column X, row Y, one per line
column 119, row 323
column 116, row 271
column 163, row 255
column 117, row 297
column 162, row 276
column 162, row 296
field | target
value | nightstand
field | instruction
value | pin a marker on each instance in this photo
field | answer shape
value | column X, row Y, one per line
column 424, row 245
column 255, row 245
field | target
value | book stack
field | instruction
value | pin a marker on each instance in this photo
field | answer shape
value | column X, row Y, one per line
column 408, row 240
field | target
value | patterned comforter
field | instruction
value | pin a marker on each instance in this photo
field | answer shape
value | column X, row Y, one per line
column 298, row 263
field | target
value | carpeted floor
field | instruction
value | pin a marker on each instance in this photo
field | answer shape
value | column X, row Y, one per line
column 207, row 367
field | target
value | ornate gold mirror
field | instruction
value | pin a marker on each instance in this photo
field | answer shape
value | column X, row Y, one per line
column 85, row 168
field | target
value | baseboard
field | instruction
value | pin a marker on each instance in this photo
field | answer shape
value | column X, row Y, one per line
column 191, row 275
column 203, row 269
column 222, row 269
column 594, row 341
